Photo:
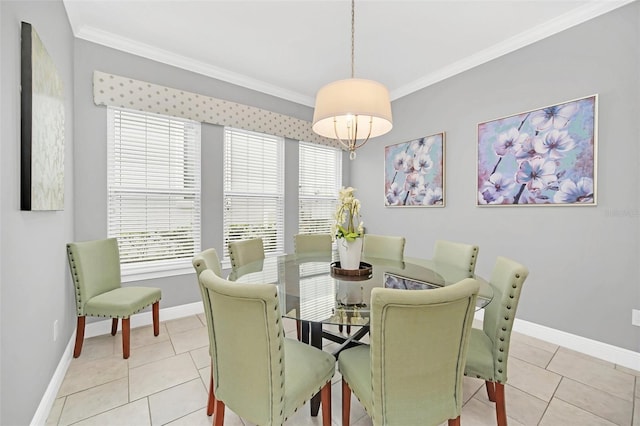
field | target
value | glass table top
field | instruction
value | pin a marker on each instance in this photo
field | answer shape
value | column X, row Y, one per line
column 310, row 291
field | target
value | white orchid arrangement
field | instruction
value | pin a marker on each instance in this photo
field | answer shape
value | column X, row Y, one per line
column 347, row 222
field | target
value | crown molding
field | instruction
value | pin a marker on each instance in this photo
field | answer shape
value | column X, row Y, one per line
column 554, row 26
column 144, row 50
column 540, row 32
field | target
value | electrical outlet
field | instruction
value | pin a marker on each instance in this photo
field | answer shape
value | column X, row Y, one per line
column 55, row 330
column 635, row 317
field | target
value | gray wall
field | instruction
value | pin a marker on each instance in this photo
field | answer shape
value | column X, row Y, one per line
column 583, row 260
column 36, row 288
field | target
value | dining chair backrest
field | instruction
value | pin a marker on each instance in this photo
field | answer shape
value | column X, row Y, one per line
column 489, row 346
column 95, row 268
column 251, row 373
column 245, row 251
column 507, row 279
column 208, row 260
column 418, row 349
column 460, row 255
column 312, row 244
column 383, row 247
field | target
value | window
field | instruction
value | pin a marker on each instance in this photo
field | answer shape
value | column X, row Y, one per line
column 253, row 189
column 153, row 179
column 320, row 179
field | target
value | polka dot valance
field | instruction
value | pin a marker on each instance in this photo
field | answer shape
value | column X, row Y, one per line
column 114, row 90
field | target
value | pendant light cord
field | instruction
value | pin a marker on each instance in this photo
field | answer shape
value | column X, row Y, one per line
column 353, row 24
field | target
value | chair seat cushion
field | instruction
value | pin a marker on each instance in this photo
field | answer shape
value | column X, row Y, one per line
column 355, row 366
column 122, row 302
column 480, row 356
column 305, row 368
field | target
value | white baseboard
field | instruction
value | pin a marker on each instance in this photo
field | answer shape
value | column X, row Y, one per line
column 614, row 354
column 49, row 397
column 96, row 329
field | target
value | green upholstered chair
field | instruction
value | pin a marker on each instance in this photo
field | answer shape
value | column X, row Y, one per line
column 411, row 373
column 258, row 373
column 95, row 271
column 456, row 254
column 489, row 347
column 245, row 251
column 208, row 259
column 312, row 244
column 383, row 247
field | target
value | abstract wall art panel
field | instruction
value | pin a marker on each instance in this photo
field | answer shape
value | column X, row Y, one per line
column 42, row 127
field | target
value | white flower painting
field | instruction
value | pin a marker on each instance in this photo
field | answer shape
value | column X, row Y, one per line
column 414, row 172
column 539, row 157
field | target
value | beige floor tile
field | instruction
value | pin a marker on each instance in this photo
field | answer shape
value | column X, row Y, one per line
column 201, row 357
column 471, row 385
column 94, row 401
column 146, row 354
column 133, row 414
column 56, row 410
column 636, row 412
column 197, row 418
column 532, row 379
column 142, row 336
column 183, row 324
column 84, row 374
column 190, row 340
column 159, row 375
column 204, row 376
column 595, row 401
column 628, row 370
column 561, row 413
column 177, row 401
column 531, row 354
column 587, row 357
column 475, row 413
column 593, row 373
column 100, row 347
column 203, row 319
column 520, row 406
column 532, row 341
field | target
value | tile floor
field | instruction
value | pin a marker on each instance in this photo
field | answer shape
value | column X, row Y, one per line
column 165, row 382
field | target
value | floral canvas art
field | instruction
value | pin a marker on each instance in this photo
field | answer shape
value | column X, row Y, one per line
column 539, row 157
column 414, row 172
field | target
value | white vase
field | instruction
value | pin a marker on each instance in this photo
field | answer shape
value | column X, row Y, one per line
column 350, row 253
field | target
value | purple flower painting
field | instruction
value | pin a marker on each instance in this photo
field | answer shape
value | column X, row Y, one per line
column 539, row 157
column 414, row 172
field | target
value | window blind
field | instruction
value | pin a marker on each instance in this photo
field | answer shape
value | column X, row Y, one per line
column 153, row 178
column 253, row 189
column 320, row 179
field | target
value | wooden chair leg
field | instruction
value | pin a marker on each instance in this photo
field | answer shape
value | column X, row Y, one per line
column 114, row 326
column 454, row 422
column 79, row 337
column 346, row 403
column 126, row 337
column 325, row 400
column 211, row 405
column 218, row 418
column 299, row 330
column 501, row 409
column 156, row 318
column 490, row 390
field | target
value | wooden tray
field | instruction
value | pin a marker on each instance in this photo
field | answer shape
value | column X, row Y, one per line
column 364, row 271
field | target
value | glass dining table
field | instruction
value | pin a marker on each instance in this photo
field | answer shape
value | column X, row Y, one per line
column 315, row 291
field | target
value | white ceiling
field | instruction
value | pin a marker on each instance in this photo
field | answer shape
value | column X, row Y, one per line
column 292, row 48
